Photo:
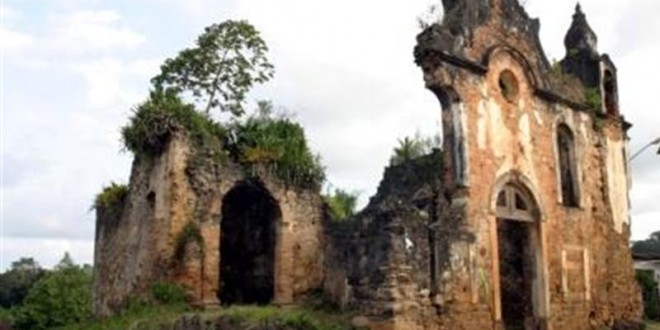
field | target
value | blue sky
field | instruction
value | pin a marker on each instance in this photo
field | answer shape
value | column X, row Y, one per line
column 72, row 70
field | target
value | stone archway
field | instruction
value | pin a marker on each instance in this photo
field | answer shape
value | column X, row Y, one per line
column 248, row 238
column 519, row 253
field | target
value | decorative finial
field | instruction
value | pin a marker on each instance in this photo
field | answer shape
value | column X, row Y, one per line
column 578, row 8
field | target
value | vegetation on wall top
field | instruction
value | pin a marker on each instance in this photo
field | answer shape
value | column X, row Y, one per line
column 277, row 142
column 155, row 121
column 111, row 197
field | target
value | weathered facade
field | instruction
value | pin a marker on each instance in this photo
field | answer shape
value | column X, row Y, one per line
column 520, row 222
column 536, row 174
column 179, row 217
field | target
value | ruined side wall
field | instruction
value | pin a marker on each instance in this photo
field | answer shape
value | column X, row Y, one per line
column 185, row 187
column 379, row 261
column 130, row 250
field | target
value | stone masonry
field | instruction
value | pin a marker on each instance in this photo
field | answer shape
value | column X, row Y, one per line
column 146, row 242
column 519, row 222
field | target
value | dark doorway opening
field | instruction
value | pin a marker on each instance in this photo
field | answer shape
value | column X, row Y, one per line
column 516, row 274
column 247, row 245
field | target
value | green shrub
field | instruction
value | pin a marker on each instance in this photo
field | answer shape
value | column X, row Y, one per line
column 168, row 293
column 61, row 297
column 111, row 196
column 280, row 144
column 593, row 99
column 6, row 318
column 155, row 121
column 650, row 293
column 189, row 233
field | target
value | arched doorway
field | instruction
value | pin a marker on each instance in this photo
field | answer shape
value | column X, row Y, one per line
column 518, row 245
column 248, row 238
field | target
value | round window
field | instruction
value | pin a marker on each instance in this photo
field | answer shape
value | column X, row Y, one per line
column 508, row 85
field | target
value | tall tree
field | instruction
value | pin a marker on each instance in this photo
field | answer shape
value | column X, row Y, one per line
column 228, row 60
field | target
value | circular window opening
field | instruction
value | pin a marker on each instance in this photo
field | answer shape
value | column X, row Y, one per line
column 508, row 85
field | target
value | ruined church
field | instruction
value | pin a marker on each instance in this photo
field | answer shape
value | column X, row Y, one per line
column 520, row 221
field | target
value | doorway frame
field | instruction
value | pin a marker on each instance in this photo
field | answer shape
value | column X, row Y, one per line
column 538, row 244
column 278, row 295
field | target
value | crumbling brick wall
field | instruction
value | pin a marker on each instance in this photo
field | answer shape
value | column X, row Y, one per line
column 145, row 243
column 502, row 104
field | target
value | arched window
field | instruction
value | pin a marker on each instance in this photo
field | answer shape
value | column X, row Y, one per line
column 609, row 87
column 513, row 204
column 567, row 166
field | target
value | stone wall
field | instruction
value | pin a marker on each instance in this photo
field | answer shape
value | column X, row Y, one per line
column 379, row 261
column 131, row 245
column 183, row 188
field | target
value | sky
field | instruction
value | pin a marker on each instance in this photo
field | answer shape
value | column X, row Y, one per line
column 73, row 69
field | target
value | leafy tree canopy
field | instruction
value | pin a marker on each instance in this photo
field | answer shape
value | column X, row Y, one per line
column 61, row 297
column 228, row 59
column 17, row 281
column 649, row 246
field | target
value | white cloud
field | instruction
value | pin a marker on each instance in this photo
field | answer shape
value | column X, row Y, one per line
column 13, row 42
column 198, row 10
column 110, row 80
column 85, row 31
column 8, row 14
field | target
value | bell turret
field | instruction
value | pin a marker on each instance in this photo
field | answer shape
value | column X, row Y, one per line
column 580, row 38
column 582, row 59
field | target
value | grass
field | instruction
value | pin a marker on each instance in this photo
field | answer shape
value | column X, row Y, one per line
column 148, row 317
column 243, row 317
column 652, row 325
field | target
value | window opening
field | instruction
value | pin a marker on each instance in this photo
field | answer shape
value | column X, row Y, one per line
column 567, row 168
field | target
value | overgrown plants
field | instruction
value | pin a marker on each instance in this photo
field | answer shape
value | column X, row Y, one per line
column 228, row 60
